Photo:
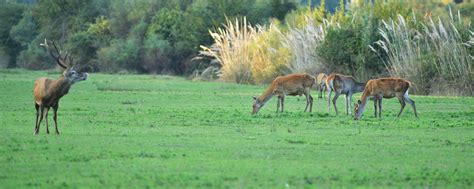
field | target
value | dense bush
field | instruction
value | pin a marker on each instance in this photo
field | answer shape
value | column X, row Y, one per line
column 339, row 49
column 120, row 55
column 155, row 59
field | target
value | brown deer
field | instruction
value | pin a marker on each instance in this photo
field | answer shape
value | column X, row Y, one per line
column 342, row 84
column 384, row 88
column 321, row 83
column 292, row 85
column 47, row 92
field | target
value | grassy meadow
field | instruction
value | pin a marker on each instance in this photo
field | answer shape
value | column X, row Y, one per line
column 149, row 131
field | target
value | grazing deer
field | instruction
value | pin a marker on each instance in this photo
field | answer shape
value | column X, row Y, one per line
column 293, row 84
column 342, row 84
column 321, row 83
column 384, row 88
column 47, row 92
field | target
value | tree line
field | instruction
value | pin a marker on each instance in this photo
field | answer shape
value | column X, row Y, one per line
column 142, row 36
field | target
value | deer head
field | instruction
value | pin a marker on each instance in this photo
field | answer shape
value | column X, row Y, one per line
column 65, row 61
column 257, row 105
column 358, row 109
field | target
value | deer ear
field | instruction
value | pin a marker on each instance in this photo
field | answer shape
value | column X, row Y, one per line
column 255, row 98
column 359, row 102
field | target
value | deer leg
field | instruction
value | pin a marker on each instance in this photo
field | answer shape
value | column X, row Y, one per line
column 412, row 103
column 55, row 118
column 402, row 103
column 350, row 104
column 324, row 89
column 41, row 108
column 282, row 102
column 320, row 91
column 375, row 107
column 347, row 104
column 307, row 102
column 37, row 115
column 329, row 99
column 46, row 120
column 334, row 100
column 380, row 107
column 278, row 103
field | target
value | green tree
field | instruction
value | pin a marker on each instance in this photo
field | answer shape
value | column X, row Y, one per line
column 10, row 15
column 57, row 16
column 26, row 30
column 175, row 26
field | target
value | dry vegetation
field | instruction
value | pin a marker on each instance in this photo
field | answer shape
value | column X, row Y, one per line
column 434, row 57
column 434, row 53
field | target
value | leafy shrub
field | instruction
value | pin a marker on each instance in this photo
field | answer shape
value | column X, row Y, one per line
column 339, row 49
column 155, row 58
column 120, row 55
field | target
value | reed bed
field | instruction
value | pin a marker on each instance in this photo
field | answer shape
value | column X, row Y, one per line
column 435, row 55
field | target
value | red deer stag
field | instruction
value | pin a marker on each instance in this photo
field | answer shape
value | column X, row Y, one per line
column 384, row 88
column 321, row 83
column 342, row 84
column 47, row 92
column 293, row 84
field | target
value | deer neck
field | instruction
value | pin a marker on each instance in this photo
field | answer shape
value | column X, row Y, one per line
column 266, row 96
column 60, row 87
column 364, row 98
column 362, row 104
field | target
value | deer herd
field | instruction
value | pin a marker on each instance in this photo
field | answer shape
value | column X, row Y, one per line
column 374, row 89
column 47, row 92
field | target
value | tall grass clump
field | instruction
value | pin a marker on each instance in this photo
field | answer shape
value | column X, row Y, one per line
column 303, row 43
column 306, row 31
column 268, row 55
column 232, row 44
column 437, row 56
column 249, row 54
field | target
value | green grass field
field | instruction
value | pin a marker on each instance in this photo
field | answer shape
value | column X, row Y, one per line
column 144, row 131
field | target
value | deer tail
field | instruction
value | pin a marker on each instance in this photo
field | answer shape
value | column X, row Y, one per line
column 330, row 84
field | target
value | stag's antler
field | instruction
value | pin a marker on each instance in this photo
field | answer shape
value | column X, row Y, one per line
column 60, row 61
